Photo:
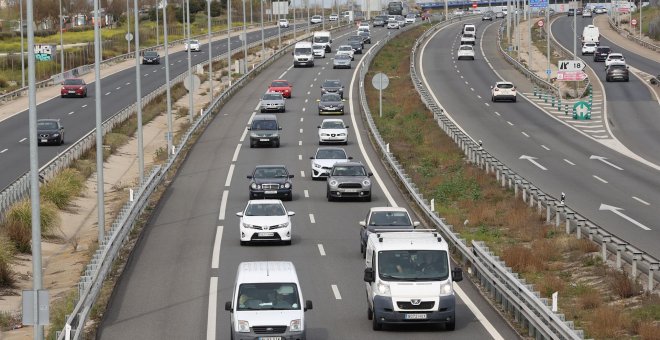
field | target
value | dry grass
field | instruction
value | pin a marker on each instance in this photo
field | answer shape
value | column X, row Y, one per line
column 18, row 223
column 621, row 283
column 589, row 299
column 608, row 322
column 7, row 249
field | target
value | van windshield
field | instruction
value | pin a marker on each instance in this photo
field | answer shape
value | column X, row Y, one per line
column 268, row 296
column 413, row 265
column 302, row 51
column 264, row 125
column 321, row 39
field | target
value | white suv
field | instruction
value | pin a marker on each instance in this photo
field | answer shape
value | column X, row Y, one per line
column 325, row 158
column 346, row 50
column 503, row 90
column 265, row 220
column 283, row 23
column 194, row 45
column 589, row 48
column 466, row 52
column 467, row 38
column 615, row 58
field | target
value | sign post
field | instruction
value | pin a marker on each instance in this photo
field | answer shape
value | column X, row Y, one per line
column 380, row 81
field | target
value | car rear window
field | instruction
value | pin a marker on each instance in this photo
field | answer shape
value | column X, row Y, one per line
column 466, row 48
column 279, row 84
column 505, row 86
column 604, row 49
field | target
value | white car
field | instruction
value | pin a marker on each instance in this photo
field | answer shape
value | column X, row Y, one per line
column 589, row 48
column 333, row 17
column 466, row 52
column 586, row 13
column 265, row 220
column 392, row 23
column 346, row 50
column 459, row 12
column 319, row 50
column 410, row 19
column 333, row 131
column 614, row 58
column 194, row 45
column 503, row 90
column 467, row 38
column 283, row 23
column 325, row 158
column 316, row 19
column 363, row 26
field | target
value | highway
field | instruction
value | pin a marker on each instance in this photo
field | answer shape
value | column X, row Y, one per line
column 78, row 114
column 562, row 155
column 183, row 267
column 632, row 109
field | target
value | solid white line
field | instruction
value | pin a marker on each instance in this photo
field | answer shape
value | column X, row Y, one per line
column 213, row 309
column 243, row 135
column 641, row 200
column 509, row 123
column 299, row 142
column 282, row 75
column 306, row 193
column 215, row 260
column 335, row 291
column 229, row 175
column 257, row 107
column 238, row 149
column 251, row 117
column 3, row 151
column 22, row 140
column 600, row 179
column 302, row 173
column 569, row 162
column 321, row 250
column 223, row 205
column 70, row 113
column 311, row 218
column 525, row 134
column 545, row 147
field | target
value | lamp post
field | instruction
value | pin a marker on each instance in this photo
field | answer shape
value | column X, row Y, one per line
column 157, row 38
column 208, row 14
column 22, row 46
column 100, row 189
column 229, row 40
column 245, row 61
column 138, row 92
column 190, row 75
column 128, row 25
column 167, row 79
column 263, row 44
column 61, row 38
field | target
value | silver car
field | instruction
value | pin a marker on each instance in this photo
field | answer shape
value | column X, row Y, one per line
column 349, row 180
column 272, row 101
column 341, row 61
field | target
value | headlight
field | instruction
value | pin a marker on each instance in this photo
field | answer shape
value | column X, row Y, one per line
column 249, row 226
column 287, row 185
column 366, row 182
column 81, row 88
column 445, row 288
column 317, row 165
column 56, row 135
column 341, row 134
column 255, row 186
column 295, row 326
column 383, row 289
column 283, row 225
column 333, row 183
column 243, row 326
column 341, row 106
column 324, row 134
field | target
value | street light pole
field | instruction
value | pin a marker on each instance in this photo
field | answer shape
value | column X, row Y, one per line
column 229, row 40
column 190, row 74
column 100, row 189
column 61, row 38
column 22, row 45
column 263, row 44
column 167, row 81
column 138, row 92
column 308, row 23
column 157, row 37
column 128, row 25
column 294, row 22
column 245, row 60
column 208, row 14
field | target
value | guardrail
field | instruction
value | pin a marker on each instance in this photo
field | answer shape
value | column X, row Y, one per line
column 632, row 37
column 97, row 269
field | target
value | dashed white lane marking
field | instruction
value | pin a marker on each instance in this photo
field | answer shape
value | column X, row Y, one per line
column 300, row 157
column 302, row 173
column 486, row 104
column 306, row 100
column 22, row 140
column 641, row 200
column 213, row 305
column 299, row 142
column 118, row 87
column 335, row 291
column 303, row 109
column 282, row 75
column 311, row 218
column 229, row 175
column 472, row 89
column 128, row 83
column 301, row 119
column 146, row 75
column 4, row 150
column 569, row 162
column 525, row 134
column 306, row 192
column 309, row 92
column 314, row 80
column 545, row 147
column 508, row 122
column 600, row 179
column 257, row 107
column 478, row 96
column 301, row 130
column 251, row 117
column 70, row 113
column 215, row 260
column 223, row 205
column 311, row 85
column 108, row 93
column 238, row 149
column 497, row 113
column 319, row 73
column 243, row 135
column 321, row 250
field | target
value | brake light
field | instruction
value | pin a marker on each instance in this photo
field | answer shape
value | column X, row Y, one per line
column 513, row 89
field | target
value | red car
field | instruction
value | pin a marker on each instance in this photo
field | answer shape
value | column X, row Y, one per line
column 282, row 86
column 73, row 87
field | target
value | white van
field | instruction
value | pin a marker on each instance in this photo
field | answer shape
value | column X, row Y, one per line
column 409, row 279
column 469, row 28
column 325, row 38
column 590, row 34
column 267, row 302
column 303, row 55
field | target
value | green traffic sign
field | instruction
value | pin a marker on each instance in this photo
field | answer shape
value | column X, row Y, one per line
column 581, row 110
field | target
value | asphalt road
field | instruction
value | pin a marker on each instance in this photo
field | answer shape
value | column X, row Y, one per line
column 511, row 130
column 633, row 111
column 78, row 114
column 173, row 287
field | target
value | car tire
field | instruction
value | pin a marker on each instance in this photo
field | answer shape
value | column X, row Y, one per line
column 62, row 96
column 607, row 79
column 368, row 198
column 376, row 325
column 334, row 67
column 492, row 99
column 328, row 196
column 251, row 145
column 626, row 80
column 62, row 140
column 514, row 99
column 289, row 197
column 262, row 110
column 370, row 314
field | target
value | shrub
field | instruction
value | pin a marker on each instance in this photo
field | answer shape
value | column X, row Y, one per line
column 115, row 140
column 63, row 188
column 648, row 330
column 622, row 284
column 521, row 259
column 551, row 284
column 589, row 299
column 86, row 166
column 7, row 279
column 607, row 321
column 18, row 222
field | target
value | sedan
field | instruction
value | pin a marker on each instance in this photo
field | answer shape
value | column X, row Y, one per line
column 349, row 180
column 499, row 15
column 333, row 17
column 342, row 61
column 392, row 23
column 194, row 45
column 272, row 101
column 316, row 19
column 324, row 159
column 601, row 53
column 150, row 57
column 265, row 220
column 333, row 131
column 271, row 181
column 50, row 131
column 487, row 16
column 503, row 90
column 282, row 86
column 357, row 46
column 73, row 87
column 331, row 103
column 318, row 50
column 615, row 58
column 366, row 36
column 466, row 52
column 332, row 86
column 380, row 219
column 345, row 50
column 356, row 38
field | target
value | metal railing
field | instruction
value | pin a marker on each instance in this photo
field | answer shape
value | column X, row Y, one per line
column 633, row 37
column 97, row 269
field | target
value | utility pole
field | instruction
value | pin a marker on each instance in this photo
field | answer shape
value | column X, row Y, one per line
column 128, row 25
column 529, row 37
column 100, row 189
column 208, row 14
column 547, row 41
column 263, row 44
column 22, row 46
column 245, row 55
column 138, row 92
column 190, row 74
column 157, row 38
column 61, row 37
column 167, row 81
column 229, row 40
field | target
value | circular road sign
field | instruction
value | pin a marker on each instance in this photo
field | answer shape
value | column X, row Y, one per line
column 540, row 23
column 196, row 82
column 380, row 81
column 633, row 22
column 129, row 36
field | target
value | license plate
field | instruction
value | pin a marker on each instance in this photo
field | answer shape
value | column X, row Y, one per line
column 415, row 316
column 270, row 338
column 271, row 192
column 266, row 234
column 352, row 190
column 44, row 140
column 72, row 91
column 264, row 140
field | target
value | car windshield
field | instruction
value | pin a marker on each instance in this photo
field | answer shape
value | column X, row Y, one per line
column 604, row 49
column 302, row 51
column 616, row 57
column 618, row 66
column 363, row 34
column 283, row 20
column 194, row 42
column 355, row 37
column 332, row 125
column 46, row 125
column 279, row 84
column 330, row 97
column 268, row 296
column 264, row 125
column 505, row 86
column 351, row 170
column 331, row 83
column 264, row 209
column 330, row 154
column 150, row 54
column 274, row 172
column 73, row 82
column 389, row 218
column 272, row 96
column 415, row 265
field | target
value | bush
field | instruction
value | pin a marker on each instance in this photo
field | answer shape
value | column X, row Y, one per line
column 18, row 222
column 622, row 284
column 608, row 322
column 86, row 166
column 589, row 299
column 63, row 188
column 7, row 279
column 115, row 140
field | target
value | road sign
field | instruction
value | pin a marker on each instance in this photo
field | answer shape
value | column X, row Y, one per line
column 196, row 82
column 581, row 110
column 129, row 36
column 548, row 71
column 540, row 23
column 380, row 81
column 571, row 75
column 538, row 3
column 633, row 22
column 571, row 65
column 474, row 5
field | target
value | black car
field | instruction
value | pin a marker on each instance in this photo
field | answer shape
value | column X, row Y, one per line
column 357, row 38
column 571, row 12
column 50, row 131
column 617, row 72
column 331, row 103
column 601, row 53
column 366, row 37
column 356, row 45
column 271, row 181
column 332, row 86
column 487, row 16
column 380, row 20
column 150, row 57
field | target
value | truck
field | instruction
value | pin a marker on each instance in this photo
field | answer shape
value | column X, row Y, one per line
column 348, row 15
column 325, row 38
column 303, row 55
column 409, row 279
column 590, row 34
column 397, row 8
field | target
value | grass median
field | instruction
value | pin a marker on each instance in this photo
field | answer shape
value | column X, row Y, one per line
column 606, row 303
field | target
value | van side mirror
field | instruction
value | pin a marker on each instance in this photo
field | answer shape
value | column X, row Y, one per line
column 363, row 224
column 228, row 306
column 457, row 274
column 279, row 128
column 308, row 305
column 416, row 224
column 369, row 275
column 347, row 126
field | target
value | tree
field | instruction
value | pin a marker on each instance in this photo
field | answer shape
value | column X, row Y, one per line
column 217, row 8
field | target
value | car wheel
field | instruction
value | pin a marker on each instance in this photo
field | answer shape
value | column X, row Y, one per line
column 251, row 144
column 514, row 99
column 607, row 79
column 62, row 140
column 376, row 325
column 277, row 144
column 62, row 96
column 289, row 197
column 284, row 109
column 370, row 314
column 334, row 67
column 368, row 198
column 492, row 99
column 328, row 196
column 627, row 79
column 262, row 110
